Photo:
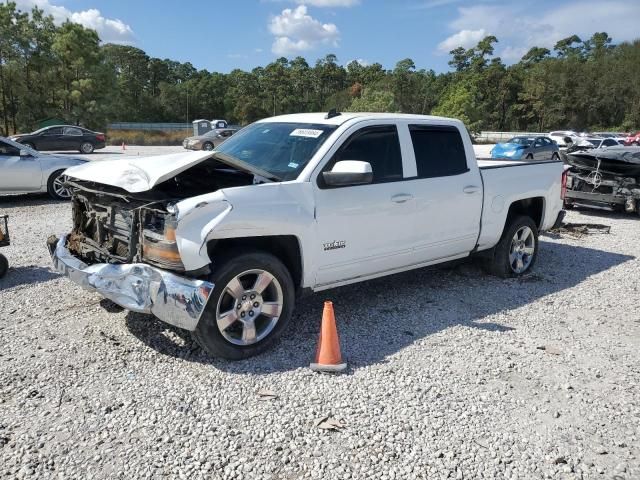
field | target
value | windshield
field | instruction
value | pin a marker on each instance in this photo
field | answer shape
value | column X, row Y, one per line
column 281, row 149
column 521, row 140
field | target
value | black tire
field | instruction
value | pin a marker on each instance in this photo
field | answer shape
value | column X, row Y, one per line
column 529, row 157
column 30, row 145
column 4, row 265
column 207, row 333
column 208, row 146
column 86, row 148
column 555, row 156
column 52, row 187
column 499, row 264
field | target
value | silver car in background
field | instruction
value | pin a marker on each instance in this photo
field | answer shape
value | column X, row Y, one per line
column 209, row 140
column 24, row 170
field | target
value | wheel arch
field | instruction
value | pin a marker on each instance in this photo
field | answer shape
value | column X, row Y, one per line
column 532, row 207
column 287, row 248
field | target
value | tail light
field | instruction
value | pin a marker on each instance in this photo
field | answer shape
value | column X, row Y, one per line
column 101, row 137
column 563, row 190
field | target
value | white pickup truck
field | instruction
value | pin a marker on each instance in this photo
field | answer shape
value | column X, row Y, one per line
column 222, row 243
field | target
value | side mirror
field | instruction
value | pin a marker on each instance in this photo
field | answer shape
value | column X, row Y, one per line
column 349, row 172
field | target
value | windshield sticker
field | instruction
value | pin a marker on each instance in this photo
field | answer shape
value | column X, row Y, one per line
column 293, row 165
column 306, row 132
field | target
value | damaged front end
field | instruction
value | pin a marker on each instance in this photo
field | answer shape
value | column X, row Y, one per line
column 124, row 241
column 124, row 247
column 110, row 227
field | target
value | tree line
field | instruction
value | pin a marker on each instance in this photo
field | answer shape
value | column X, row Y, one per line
column 64, row 71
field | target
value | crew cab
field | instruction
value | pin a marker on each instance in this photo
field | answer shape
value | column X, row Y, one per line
column 222, row 243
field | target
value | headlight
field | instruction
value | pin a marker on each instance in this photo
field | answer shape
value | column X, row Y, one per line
column 159, row 245
column 172, row 208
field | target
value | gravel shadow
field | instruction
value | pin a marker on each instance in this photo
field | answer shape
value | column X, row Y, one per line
column 26, row 275
column 380, row 317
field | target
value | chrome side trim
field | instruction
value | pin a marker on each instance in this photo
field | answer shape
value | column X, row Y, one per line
column 138, row 287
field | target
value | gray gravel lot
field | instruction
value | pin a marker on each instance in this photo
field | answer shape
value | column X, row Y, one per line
column 447, row 375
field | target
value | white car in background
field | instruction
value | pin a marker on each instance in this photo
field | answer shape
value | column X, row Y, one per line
column 25, row 170
column 559, row 137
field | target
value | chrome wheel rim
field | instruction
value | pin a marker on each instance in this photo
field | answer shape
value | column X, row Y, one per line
column 249, row 307
column 208, row 147
column 523, row 247
column 58, row 187
column 87, row 147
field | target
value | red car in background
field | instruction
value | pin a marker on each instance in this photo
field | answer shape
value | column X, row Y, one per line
column 632, row 140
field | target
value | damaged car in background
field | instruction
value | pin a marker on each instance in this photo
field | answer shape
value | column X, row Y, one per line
column 221, row 243
column 605, row 177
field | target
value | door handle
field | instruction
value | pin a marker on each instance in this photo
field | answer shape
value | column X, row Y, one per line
column 401, row 198
column 470, row 189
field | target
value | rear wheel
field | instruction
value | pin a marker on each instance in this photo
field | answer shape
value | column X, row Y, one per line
column 555, row 156
column 250, row 306
column 86, row 147
column 529, row 157
column 56, row 188
column 207, row 146
column 516, row 252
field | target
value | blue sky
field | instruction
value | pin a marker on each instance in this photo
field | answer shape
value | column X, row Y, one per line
column 223, row 35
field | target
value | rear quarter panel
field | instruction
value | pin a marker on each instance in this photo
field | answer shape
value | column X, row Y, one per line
column 518, row 181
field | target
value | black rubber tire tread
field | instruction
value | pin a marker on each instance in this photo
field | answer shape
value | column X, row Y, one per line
column 498, row 264
column 50, row 190
column 4, row 265
column 207, row 334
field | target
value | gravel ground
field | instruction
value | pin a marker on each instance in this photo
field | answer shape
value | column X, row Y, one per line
column 452, row 374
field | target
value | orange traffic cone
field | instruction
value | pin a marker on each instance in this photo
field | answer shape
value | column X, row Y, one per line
column 124, row 147
column 328, row 356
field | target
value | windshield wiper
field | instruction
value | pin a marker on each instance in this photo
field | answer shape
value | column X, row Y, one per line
column 237, row 163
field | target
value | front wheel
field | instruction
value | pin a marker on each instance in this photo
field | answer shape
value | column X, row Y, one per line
column 56, row 188
column 249, row 307
column 208, row 146
column 30, row 145
column 517, row 250
column 555, row 157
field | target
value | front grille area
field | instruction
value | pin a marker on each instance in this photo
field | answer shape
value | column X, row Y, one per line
column 104, row 230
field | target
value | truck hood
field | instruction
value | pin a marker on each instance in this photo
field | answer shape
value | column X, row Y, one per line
column 137, row 174
column 141, row 174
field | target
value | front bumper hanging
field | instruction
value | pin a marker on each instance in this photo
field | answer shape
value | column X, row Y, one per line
column 138, row 287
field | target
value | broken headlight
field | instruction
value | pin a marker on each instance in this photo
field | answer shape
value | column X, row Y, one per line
column 159, row 245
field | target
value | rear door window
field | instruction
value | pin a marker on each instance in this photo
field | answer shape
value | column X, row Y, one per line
column 53, row 131
column 76, row 132
column 439, row 151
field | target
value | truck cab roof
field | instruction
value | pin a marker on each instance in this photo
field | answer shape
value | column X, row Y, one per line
column 342, row 118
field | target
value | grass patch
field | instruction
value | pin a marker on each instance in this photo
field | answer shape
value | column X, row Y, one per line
column 147, row 137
